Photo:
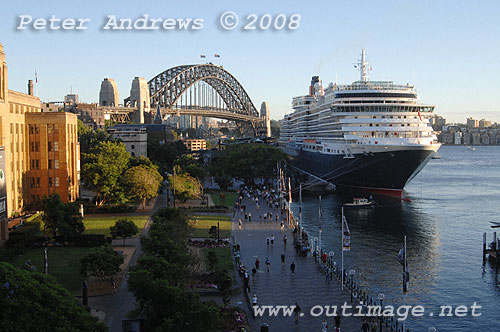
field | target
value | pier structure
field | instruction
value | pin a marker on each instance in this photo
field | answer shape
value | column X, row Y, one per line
column 491, row 250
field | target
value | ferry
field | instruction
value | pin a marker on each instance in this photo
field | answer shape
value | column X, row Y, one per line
column 368, row 135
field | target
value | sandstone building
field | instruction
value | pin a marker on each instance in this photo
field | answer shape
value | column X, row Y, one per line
column 41, row 149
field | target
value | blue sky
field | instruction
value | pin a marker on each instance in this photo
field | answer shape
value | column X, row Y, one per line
column 449, row 49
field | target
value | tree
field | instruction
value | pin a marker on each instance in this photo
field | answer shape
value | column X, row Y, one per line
column 186, row 186
column 90, row 138
column 61, row 220
column 101, row 263
column 248, row 161
column 212, row 261
column 103, row 168
column 142, row 182
column 32, row 301
column 164, row 155
column 124, row 228
column 223, row 180
column 159, row 277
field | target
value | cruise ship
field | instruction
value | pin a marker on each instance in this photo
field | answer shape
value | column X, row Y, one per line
column 368, row 135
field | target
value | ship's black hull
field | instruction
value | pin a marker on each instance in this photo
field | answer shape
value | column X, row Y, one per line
column 383, row 172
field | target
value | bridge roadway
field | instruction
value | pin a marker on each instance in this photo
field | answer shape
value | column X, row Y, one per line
column 123, row 114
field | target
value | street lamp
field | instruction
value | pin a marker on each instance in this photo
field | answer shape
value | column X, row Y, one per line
column 381, row 299
column 351, row 273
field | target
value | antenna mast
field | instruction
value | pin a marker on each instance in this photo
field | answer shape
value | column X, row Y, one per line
column 363, row 67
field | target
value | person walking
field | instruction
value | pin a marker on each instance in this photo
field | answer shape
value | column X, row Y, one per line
column 254, row 300
column 247, row 282
column 292, row 267
column 297, row 311
column 268, row 263
column 374, row 326
column 337, row 321
column 365, row 327
column 272, row 239
column 113, row 284
column 249, row 216
column 257, row 263
column 324, row 326
column 283, row 258
column 284, row 239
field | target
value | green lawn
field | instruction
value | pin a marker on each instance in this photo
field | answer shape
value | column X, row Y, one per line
column 229, row 198
column 64, row 263
column 225, row 260
column 201, row 225
column 101, row 224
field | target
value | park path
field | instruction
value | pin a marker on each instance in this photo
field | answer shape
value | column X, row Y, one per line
column 308, row 287
column 115, row 307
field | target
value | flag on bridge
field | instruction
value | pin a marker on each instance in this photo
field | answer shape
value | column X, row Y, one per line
column 216, row 56
column 203, row 56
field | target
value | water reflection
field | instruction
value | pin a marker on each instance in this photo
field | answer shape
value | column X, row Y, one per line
column 376, row 237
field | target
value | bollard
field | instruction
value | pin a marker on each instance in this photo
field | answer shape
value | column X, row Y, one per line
column 264, row 327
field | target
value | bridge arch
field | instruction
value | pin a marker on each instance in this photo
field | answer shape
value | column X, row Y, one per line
column 167, row 88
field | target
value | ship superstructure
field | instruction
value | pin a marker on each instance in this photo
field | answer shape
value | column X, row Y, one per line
column 369, row 134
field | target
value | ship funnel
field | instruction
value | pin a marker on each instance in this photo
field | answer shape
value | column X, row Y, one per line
column 316, row 88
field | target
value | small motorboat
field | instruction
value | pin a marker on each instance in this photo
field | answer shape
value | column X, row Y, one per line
column 436, row 156
column 360, row 202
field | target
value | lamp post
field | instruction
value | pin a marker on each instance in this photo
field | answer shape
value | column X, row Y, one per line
column 381, row 299
column 351, row 273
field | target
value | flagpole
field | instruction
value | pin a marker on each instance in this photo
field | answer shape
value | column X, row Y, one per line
column 320, row 226
column 405, row 288
column 342, row 246
column 289, row 202
column 300, row 209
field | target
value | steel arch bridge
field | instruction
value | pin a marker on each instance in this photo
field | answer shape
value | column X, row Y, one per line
column 202, row 90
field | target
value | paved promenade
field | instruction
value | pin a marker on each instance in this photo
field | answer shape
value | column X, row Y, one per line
column 307, row 287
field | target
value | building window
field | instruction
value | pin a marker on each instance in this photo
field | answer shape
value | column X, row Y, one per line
column 56, row 181
column 56, row 146
column 132, row 147
column 37, row 164
column 56, row 163
column 50, row 182
column 50, row 163
column 32, row 182
column 38, row 182
column 11, row 128
column 49, row 129
column 49, row 146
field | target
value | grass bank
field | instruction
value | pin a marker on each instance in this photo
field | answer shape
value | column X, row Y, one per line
column 201, row 225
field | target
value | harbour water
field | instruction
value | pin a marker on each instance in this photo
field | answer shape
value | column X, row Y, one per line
column 452, row 202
